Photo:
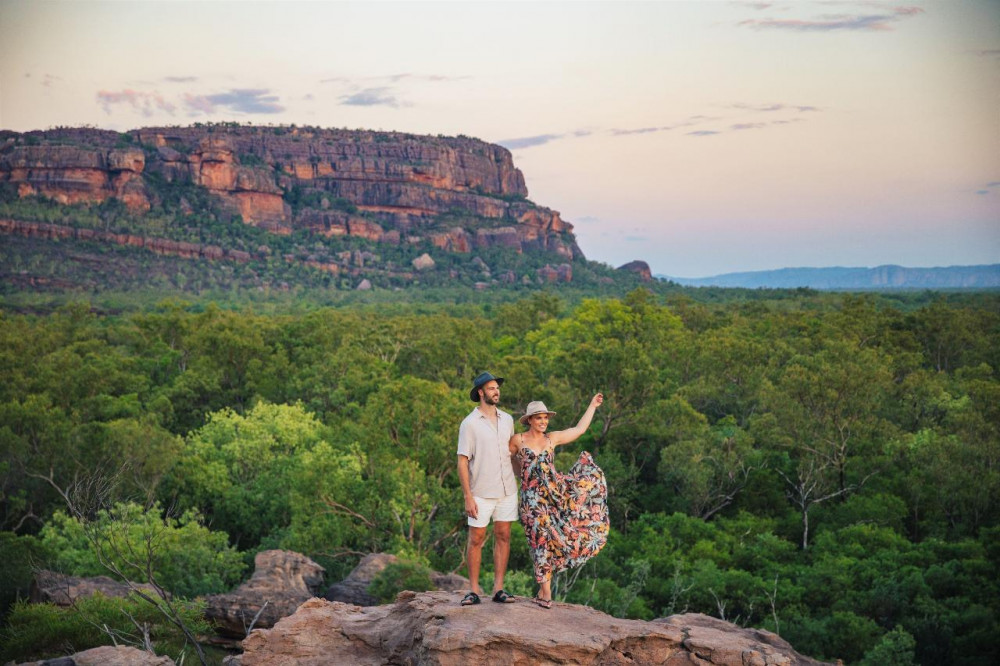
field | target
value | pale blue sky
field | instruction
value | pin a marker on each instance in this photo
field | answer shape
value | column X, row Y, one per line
column 702, row 137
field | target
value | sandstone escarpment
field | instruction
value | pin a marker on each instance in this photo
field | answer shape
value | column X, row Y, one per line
column 456, row 193
column 75, row 174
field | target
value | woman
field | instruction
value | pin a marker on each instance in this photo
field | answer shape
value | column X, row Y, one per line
column 565, row 516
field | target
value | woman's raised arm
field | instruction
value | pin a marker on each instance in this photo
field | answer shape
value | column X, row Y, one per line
column 572, row 434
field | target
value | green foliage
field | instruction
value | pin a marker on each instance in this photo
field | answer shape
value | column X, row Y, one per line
column 43, row 631
column 21, row 555
column 820, row 465
column 182, row 555
column 237, row 468
column 895, row 648
column 399, row 576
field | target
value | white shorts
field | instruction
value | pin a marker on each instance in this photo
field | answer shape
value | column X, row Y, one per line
column 500, row 509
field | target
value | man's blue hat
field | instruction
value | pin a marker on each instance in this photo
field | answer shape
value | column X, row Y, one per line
column 478, row 382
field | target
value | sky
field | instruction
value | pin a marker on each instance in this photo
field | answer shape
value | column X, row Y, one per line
column 701, row 137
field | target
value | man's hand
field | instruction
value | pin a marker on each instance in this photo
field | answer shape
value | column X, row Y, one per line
column 471, row 508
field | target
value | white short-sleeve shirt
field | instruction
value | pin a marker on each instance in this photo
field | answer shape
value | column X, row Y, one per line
column 486, row 446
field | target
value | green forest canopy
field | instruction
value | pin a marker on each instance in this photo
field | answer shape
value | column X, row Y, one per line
column 823, row 466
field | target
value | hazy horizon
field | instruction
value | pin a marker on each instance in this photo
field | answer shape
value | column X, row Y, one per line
column 704, row 138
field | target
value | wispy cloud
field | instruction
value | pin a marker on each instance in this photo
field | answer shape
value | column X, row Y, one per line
column 435, row 78
column 241, row 100
column 530, row 141
column 689, row 122
column 770, row 108
column 988, row 53
column 383, row 96
column 989, row 188
column 180, row 79
column 838, row 22
column 639, row 130
column 145, row 103
column 364, row 81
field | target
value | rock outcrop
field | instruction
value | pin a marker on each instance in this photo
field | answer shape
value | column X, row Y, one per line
column 432, row 628
column 62, row 590
column 386, row 187
column 281, row 581
column 106, row 655
column 640, row 268
column 354, row 588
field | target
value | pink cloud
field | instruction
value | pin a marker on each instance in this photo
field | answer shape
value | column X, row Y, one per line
column 144, row 102
column 831, row 23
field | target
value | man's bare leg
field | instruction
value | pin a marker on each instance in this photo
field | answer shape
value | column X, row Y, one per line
column 474, row 556
column 501, row 552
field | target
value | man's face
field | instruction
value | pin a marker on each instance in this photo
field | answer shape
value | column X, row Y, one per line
column 490, row 392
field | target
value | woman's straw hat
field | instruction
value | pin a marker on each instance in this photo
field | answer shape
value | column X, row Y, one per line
column 535, row 407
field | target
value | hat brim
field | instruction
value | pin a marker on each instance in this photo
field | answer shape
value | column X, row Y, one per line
column 474, row 393
column 524, row 419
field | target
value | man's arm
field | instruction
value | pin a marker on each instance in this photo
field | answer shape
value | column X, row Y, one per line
column 471, row 509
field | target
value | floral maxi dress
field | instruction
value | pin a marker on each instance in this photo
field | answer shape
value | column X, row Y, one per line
column 565, row 516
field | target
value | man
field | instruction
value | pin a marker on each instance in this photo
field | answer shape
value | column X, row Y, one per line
column 488, row 483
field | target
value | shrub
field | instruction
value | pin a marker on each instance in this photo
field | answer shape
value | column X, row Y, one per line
column 187, row 558
column 20, row 554
column 40, row 631
column 399, row 576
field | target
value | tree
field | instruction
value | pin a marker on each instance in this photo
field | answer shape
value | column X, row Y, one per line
column 625, row 349
column 237, row 470
column 824, row 414
column 709, row 471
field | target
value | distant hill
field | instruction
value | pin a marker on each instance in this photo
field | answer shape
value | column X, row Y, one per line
column 878, row 278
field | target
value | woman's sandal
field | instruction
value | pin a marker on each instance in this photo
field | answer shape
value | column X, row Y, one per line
column 544, row 603
column 471, row 599
column 502, row 597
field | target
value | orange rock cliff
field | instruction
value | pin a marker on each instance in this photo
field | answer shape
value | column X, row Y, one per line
column 460, row 194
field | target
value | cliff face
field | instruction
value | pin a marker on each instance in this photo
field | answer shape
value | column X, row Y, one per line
column 460, row 194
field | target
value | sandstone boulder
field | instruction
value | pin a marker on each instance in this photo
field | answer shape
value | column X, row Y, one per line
column 640, row 268
column 354, row 588
column 432, row 628
column 62, row 590
column 106, row 655
column 720, row 642
column 423, row 262
column 281, row 579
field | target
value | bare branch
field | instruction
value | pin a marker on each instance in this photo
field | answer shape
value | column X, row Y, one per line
column 255, row 618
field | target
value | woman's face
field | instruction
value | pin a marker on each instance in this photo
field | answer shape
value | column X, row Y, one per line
column 539, row 422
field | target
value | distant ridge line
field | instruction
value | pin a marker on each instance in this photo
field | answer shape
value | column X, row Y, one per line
column 886, row 277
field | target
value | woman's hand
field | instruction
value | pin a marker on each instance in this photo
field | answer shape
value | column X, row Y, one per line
column 597, row 400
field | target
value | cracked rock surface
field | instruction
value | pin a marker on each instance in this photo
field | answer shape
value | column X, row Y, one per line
column 432, row 628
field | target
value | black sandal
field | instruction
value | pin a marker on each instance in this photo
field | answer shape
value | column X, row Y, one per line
column 471, row 599
column 502, row 597
column 544, row 603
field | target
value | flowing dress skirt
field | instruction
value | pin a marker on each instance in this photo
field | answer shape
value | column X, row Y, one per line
column 565, row 516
